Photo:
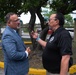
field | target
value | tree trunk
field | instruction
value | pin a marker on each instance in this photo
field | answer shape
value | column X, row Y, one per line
column 41, row 18
column 44, row 30
column 31, row 26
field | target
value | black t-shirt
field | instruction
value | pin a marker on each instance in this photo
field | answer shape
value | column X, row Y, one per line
column 59, row 44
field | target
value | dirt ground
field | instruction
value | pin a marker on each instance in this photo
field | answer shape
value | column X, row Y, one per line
column 35, row 57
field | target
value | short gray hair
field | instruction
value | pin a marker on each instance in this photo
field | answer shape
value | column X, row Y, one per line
column 7, row 17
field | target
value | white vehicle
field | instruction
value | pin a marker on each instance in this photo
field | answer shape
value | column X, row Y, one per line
column 72, row 34
column 71, row 31
column 2, row 29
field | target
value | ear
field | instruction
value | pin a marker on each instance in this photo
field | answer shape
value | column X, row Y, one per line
column 8, row 22
column 57, row 21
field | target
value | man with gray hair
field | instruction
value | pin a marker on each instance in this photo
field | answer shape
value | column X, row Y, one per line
column 15, row 52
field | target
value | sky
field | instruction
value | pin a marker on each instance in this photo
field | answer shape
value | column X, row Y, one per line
column 26, row 17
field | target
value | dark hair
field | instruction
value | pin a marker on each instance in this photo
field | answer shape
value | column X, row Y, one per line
column 7, row 17
column 60, row 17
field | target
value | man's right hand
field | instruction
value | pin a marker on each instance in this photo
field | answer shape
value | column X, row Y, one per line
column 28, row 50
column 34, row 34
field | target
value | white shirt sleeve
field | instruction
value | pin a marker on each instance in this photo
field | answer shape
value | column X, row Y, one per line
column 26, row 53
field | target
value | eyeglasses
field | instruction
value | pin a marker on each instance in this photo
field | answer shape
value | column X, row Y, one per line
column 15, row 20
column 52, row 19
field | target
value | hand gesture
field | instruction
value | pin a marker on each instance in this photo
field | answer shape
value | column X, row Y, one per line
column 28, row 49
column 34, row 34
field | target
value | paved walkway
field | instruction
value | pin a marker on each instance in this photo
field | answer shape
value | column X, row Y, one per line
column 1, row 71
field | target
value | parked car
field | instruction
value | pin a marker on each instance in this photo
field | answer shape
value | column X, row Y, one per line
column 71, row 31
column 72, row 34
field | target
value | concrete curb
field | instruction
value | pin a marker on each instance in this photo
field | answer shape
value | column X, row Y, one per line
column 1, row 64
column 33, row 71
column 27, row 43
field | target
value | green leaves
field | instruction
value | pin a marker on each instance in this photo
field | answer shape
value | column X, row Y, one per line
column 63, row 6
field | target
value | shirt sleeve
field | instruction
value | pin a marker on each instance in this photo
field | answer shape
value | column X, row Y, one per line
column 65, row 44
column 26, row 53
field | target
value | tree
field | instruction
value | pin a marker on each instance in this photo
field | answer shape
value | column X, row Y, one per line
column 68, row 20
column 10, row 6
column 19, row 6
column 34, row 7
column 63, row 6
